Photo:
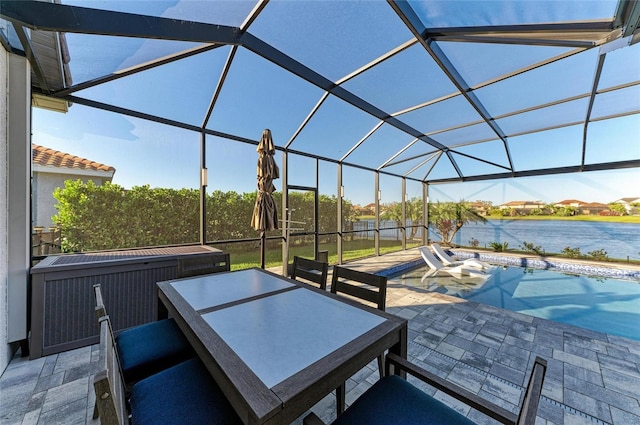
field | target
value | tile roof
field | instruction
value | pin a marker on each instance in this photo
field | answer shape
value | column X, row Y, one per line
column 569, row 202
column 628, row 200
column 46, row 156
column 521, row 203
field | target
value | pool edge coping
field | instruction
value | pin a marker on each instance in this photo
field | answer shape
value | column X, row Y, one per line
column 555, row 264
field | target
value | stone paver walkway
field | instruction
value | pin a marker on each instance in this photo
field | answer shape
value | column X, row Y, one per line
column 593, row 378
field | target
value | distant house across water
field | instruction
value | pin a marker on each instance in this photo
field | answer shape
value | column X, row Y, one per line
column 581, row 207
column 593, row 208
column 368, row 209
column 570, row 203
column 483, row 208
column 585, row 208
column 629, row 205
column 522, row 207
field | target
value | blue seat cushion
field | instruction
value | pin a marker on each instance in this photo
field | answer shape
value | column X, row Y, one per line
column 183, row 394
column 393, row 400
column 150, row 348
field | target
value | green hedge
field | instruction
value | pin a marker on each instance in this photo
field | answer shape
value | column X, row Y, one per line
column 93, row 217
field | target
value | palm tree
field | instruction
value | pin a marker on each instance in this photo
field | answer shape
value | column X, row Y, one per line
column 413, row 213
column 449, row 217
column 392, row 211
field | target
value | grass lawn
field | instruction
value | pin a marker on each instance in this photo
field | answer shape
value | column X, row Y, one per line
column 241, row 259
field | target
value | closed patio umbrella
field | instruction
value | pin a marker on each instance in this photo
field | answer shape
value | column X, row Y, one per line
column 265, row 213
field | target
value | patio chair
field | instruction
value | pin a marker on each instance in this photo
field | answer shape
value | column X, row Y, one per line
column 147, row 349
column 364, row 286
column 196, row 265
column 185, row 393
column 434, row 263
column 393, row 400
column 448, row 260
column 310, row 271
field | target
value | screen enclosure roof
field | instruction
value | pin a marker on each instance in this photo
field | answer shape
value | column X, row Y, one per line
column 433, row 91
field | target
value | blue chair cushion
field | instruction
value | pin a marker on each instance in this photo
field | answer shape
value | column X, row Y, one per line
column 150, row 348
column 183, row 394
column 392, row 400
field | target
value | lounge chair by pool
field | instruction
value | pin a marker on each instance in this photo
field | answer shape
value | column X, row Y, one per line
column 434, row 263
column 448, row 260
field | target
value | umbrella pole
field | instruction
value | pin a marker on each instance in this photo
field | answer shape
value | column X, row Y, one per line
column 262, row 248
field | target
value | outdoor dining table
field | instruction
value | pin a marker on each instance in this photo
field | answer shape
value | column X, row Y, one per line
column 276, row 346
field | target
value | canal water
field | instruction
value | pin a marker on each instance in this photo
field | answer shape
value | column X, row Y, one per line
column 619, row 240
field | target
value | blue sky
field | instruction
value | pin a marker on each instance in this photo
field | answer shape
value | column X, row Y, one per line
column 258, row 94
column 163, row 156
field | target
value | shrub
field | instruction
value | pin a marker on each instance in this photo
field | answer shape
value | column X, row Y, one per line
column 529, row 247
column 474, row 242
column 567, row 211
column 93, row 217
column 507, row 212
column 567, row 251
column 499, row 246
column 617, row 209
column 599, row 254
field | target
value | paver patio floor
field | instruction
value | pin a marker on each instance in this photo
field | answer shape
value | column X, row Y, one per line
column 592, row 377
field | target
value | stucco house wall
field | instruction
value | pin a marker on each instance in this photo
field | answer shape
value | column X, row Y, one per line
column 4, row 220
column 44, row 183
column 14, row 259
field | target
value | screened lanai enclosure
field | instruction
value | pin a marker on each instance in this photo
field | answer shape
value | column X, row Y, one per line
column 370, row 104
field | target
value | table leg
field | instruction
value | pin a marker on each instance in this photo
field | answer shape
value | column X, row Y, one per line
column 401, row 349
column 340, row 391
column 163, row 313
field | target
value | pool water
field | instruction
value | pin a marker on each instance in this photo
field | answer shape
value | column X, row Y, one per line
column 601, row 304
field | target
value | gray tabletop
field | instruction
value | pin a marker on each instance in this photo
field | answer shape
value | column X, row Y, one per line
column 276, row 346
column 281, row 334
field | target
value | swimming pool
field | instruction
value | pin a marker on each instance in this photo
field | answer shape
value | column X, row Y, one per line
column 601, row 304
